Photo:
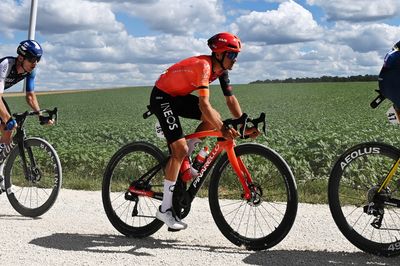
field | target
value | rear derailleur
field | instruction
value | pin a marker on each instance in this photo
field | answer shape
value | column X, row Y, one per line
column 376, row 204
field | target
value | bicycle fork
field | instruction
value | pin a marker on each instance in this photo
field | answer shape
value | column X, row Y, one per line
column 32, row 173
column 250, row 191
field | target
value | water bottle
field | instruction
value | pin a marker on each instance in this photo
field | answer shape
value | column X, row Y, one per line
column 185, row 170
column 199, row 160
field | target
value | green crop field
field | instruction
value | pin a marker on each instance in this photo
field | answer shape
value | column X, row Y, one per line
column 309, row 124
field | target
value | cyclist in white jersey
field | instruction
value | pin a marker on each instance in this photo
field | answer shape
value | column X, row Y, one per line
column 13, row 70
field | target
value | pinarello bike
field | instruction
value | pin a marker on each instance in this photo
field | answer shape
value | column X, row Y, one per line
column 364, row 195
column 252, row 192
column 31, row 169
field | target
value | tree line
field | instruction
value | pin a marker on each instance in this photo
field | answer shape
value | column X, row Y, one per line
column 320, row 79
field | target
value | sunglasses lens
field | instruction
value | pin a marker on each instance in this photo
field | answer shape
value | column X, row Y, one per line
column 33, row 59
column 232, row 55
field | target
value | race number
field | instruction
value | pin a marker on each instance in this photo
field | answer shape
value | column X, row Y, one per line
column 393, row 116
column 159, row 131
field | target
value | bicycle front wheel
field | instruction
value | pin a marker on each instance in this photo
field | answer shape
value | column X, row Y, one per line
column 131, row 214
column 267, row 217
column 33, row 193
column 355, row 203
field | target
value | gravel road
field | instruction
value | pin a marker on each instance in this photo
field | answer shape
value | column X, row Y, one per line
column 76, row 231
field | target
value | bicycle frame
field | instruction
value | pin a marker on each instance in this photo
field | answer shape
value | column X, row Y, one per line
column 19, row 137
column 139, row 186
column 236, row 163
column 389, row 176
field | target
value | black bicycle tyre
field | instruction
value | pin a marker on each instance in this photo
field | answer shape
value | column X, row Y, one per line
column 352, row 235
column 30, row 211
column 120, row 225
column 279, row 233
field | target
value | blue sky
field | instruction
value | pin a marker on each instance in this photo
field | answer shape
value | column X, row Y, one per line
column 113, row 43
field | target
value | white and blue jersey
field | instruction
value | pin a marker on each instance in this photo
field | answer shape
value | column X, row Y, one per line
column 9, row 75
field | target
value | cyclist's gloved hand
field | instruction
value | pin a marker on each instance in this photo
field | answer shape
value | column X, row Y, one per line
column 11, row 124
column 252, row 132
column 45, row 120
column 229, row 132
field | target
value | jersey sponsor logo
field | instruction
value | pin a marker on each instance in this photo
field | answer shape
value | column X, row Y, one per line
column 357, row 153
column 169, row 116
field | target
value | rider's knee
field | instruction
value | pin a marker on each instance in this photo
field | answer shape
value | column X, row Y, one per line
column 179, row 149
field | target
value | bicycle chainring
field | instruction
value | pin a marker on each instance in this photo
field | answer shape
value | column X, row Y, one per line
column 181, row 201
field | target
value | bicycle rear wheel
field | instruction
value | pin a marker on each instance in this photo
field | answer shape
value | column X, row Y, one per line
column 352, row 191
column 264, row 220
column 131, row 214
column 35, row 194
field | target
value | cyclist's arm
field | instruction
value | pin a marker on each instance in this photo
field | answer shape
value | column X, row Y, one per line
column 213, row 117
column 234, row 106
column 32, row 101
column 208, row 112
column 30, row 93
column 231, row 100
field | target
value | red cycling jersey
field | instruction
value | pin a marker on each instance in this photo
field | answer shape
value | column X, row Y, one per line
column 187, row 76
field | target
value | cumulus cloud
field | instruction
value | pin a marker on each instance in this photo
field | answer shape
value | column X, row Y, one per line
column 87, row 46
column 178, row 17
column 358, row 10
column 290, row 23
column 61, row 17
column 365, row 37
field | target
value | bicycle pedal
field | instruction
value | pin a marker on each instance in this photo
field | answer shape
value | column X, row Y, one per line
column 173, row 230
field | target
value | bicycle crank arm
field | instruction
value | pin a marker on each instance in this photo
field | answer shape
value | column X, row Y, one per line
column 145, row 193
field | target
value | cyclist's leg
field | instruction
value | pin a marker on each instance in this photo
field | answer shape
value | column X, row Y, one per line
column 193, row 112
column 162, row 105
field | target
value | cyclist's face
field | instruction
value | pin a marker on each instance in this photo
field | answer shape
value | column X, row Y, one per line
column 30, row 63
column 230, row 59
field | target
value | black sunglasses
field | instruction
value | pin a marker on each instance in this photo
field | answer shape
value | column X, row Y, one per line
column 232, row 55
column 32, row 59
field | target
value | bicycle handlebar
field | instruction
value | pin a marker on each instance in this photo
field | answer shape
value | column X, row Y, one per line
column 246, row 122
column 51, row 114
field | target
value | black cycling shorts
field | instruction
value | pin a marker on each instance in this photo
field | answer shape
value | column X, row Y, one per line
column 168, row 109
column 8, row 110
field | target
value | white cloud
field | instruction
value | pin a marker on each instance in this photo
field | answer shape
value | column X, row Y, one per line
column 60, row 17
column 179, row 17
column 365, row 37
column 358, row 10
column 86, row 46
column 290, row 23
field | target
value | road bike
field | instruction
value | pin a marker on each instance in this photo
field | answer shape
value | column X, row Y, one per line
column 31, row 169
column 252, row 191
column 364, row 195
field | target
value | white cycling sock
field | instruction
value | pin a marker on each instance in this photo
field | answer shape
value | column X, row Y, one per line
column 168, row 192
column 192, row 144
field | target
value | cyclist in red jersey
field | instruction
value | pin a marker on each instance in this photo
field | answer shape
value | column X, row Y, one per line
column 171, row 98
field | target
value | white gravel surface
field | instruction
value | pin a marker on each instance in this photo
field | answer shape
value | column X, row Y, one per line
column 76, row 231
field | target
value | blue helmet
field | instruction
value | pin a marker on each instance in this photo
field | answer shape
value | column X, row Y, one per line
column 30, row 49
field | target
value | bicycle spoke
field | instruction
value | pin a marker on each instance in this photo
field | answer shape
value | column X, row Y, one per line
column 265, row 213
column 359, row 211
column 131, row 214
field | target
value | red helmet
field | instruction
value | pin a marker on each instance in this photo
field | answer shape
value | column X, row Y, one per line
column 224, row 41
